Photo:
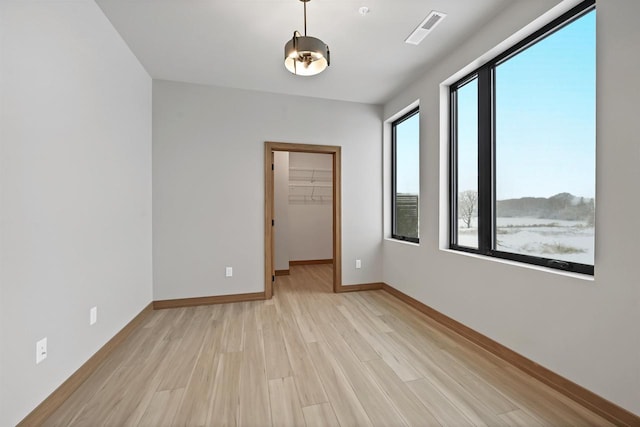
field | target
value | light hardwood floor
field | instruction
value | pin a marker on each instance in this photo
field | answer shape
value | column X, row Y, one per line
column 309, row 357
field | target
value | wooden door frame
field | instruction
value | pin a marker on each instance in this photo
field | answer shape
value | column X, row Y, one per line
column 335, row 151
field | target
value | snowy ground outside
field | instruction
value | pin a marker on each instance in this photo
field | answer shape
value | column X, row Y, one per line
column 549, row 238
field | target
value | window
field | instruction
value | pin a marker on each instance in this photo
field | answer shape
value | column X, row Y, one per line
column 405, row 193
column 523, row 149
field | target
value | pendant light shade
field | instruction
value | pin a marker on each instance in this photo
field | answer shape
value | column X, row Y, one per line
column 306, row 55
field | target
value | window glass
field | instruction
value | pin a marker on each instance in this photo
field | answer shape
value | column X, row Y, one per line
column 406, row 188
column 545, row 146
column 467, row 168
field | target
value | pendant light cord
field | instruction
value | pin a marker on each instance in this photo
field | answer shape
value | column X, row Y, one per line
column 305, row 18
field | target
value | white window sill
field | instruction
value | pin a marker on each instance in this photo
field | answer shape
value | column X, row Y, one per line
column 579, row 276
column 402, row 242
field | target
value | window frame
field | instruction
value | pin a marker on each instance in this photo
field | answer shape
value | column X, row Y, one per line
column 486, row 151
column 406, row 116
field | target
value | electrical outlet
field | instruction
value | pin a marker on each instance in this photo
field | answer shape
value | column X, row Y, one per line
column 229, row 272
column 41, row 350
column 358, row 263
column 93, row 315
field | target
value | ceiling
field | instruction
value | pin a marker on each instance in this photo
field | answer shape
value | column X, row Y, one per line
column 240, row 43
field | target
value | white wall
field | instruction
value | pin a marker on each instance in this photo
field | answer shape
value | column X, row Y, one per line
column 311, row 224
column 584, row 330
column 281, row 210
column 75, row 176
column 208, row 183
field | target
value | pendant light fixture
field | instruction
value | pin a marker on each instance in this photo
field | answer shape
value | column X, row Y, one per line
column 305, row 55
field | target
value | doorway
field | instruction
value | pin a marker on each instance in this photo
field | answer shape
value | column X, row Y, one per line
column 269, row 220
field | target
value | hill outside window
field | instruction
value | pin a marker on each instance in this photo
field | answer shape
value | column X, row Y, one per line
column 405, row 161
column 522, row 151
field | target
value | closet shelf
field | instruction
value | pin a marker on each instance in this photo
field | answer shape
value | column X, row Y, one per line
column 310, row 175
column 310, row 186
column 310, row 200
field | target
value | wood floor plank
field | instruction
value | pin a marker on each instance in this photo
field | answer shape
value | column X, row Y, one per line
column 487, row 368
column 407, row 404
column 432, row 363
column 540, row 401
column 298, row 310
column 73, row 408
column 438, row 405
column 195, row 404
column 234, row 324
column 224, row 409
column 156, row 317
column 288, row 305
column 320, row 415
column 558, row 409
column 162, row 408
column 193, row 328
column 149, row 391
column 158, row 361
column 377, row 341
column 109, row 396
column 285, row 405
column 473, row 408
column 148, row 341
column 519, row 418
column 275, row 350
column 356, row 341
column 328, row 303
column 352, row 303
column 344, row 401
column 254, row 393
column 439, row 336
column 179, row 320
column 118, row 397
column 307, row 327
column 315, row 309
column 364, row 299
column 375, row 403
column 309, row 385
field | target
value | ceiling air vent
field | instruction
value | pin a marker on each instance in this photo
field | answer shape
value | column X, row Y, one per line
column 425, row 27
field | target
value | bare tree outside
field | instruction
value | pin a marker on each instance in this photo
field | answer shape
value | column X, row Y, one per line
column 467, row 206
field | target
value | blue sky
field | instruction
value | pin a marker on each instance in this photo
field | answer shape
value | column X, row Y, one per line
column 545, row 121
column 407, row 155
column 545, row 116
